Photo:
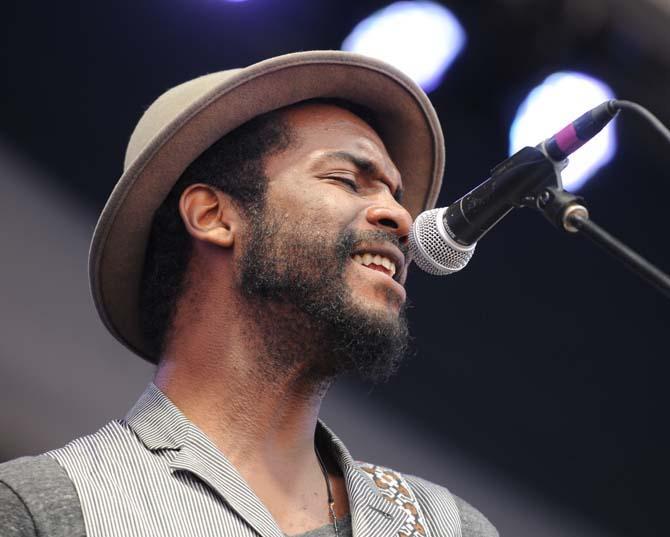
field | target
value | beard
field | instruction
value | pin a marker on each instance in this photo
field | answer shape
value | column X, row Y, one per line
column 293, row 279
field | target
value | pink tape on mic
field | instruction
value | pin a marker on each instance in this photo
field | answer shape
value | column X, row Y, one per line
column 567, row 140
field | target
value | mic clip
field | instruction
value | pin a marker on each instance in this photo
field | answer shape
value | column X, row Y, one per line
column 561, row 207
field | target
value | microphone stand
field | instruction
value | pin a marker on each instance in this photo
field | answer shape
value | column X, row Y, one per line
column 568, row 212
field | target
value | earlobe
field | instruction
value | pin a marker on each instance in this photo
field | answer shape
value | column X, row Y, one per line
column 208, row 214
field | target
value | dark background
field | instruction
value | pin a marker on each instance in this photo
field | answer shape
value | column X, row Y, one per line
column 545, row 359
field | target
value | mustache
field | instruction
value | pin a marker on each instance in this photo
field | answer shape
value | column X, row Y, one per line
column 377, row 235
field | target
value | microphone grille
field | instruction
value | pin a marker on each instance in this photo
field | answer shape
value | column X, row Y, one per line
column 433, row 249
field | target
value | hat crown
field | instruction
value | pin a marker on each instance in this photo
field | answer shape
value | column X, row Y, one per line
column 178, row 101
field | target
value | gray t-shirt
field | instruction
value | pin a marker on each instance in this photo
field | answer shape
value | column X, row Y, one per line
column 343, row 529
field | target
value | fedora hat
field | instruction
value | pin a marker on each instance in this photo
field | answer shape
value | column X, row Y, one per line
column 187, row 119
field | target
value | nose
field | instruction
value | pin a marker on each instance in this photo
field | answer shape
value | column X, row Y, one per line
column 391, row 217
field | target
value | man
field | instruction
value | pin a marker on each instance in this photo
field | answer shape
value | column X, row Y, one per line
column 255, row 249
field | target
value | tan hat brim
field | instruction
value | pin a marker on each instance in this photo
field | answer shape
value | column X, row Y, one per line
column 167, row 141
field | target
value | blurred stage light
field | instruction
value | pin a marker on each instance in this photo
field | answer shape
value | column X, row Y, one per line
column 419, row 38
column 560, row 99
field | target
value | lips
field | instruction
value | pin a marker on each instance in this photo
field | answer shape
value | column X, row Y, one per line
column 387, row 259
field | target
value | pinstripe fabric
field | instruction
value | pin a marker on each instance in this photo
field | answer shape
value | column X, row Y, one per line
column 156, row 474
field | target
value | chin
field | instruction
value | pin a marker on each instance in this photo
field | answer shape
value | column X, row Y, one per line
column 378, row 312
column 382, row 301
column 379, row 295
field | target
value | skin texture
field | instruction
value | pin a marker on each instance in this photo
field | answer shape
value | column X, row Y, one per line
column 216, row 364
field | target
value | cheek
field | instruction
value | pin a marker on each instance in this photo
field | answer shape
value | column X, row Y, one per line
column 324, row 221
column 320, row 203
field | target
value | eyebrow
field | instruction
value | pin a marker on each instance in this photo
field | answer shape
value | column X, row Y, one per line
column 363, row 164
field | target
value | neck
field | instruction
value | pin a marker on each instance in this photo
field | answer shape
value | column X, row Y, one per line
column 252, row 392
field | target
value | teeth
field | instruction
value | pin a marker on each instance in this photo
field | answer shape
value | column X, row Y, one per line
column 367, row 259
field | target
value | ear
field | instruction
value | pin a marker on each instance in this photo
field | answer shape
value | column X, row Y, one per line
column 209, row 215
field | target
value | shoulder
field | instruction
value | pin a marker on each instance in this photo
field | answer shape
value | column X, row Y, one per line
column 433, row 505
column 473, row 523
column 89, row 448
column 14, row 515
column 33, row 475
column 38, row 498
column 434, row 500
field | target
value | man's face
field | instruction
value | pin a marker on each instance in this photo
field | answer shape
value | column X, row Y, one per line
column 325, row 257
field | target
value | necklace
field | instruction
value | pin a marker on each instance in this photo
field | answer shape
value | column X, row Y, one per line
column 331, row 500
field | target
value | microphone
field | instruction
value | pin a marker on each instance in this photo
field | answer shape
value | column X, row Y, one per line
column 442, row 241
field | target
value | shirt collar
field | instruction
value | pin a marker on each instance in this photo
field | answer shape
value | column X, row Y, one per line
column 157, row 421
column 160, row 425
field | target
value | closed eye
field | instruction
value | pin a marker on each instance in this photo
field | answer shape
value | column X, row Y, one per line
column 349, row 182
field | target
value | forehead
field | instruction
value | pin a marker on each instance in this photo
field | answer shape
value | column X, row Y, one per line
column 320, row 127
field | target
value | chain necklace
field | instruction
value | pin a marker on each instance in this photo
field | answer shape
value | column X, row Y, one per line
column 331, row 500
